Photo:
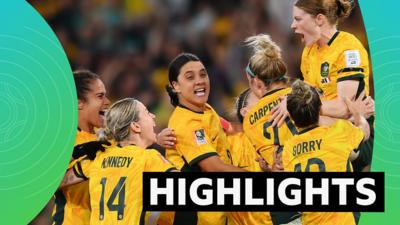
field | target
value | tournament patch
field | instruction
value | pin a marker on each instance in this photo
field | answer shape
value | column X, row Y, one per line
column 352, row 58
column 200, row 137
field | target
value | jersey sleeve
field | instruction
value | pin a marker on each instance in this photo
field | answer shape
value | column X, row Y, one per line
column 81, row 168
column 354, row 134
column 194, row 144
column 352, row 64
column 157, row 163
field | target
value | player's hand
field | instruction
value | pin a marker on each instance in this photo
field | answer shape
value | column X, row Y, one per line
column 167, row 138
column 277, row 166
column 263, row 164
column 358, row 107
column 369, row 107
column 279, row 113
column 89, row 149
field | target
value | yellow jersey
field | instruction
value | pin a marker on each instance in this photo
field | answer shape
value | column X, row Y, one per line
column 258, row 129
column 323, row 149
column 243, row 153
column 244, row 156
column 199, row 135
column 72, row 204
column 343, row 58
column 116, row 180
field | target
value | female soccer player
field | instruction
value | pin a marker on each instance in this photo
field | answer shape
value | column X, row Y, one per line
column 242, row 151
column 335, row 62
column 266, row 74
column 201, row 142
column 116, row 188
column 322, row 148
column 244, row 156
column 72, row 202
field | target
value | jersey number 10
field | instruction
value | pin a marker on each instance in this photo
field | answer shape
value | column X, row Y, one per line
column 312, row 161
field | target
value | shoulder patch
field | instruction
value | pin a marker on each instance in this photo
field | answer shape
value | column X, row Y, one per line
column 200, row 137
column 352, row 58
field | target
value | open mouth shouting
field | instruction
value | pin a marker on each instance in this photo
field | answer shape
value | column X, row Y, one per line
column 200, row 92
column 102, row 114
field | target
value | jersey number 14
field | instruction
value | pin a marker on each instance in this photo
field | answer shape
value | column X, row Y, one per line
column 118, row 191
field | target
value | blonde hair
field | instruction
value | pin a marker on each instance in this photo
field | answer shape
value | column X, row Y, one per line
column 266, row 62
column 334, row 10
column 119, row 117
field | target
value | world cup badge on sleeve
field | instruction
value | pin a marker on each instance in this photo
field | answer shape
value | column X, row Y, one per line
column 200, row 137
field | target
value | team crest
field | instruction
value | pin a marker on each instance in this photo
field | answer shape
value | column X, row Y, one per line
column 200, row 137
column 325, row 69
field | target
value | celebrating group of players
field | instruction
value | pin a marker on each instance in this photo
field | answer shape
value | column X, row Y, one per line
column 321, row 124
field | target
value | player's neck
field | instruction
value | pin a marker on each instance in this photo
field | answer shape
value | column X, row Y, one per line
column 192, row 107
column 326, row 35
column 84, row 126
column 274, row 86
column 134, row 141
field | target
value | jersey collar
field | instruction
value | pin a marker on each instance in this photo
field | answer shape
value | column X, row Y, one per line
column 308, row 129
column 273, row 91
column 182, row 106
column 333, row 38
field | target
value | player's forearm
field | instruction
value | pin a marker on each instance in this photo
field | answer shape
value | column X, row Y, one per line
column 69, row 179
column 215, row 164
column 326, row 120
column 335, row 108
column 222, row 168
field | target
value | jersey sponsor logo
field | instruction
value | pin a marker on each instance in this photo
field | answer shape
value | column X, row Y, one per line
column 116, row 162
column 200, row 137
column 213, row 139
column 325, row 69
column 325, row 80
column 352, row 58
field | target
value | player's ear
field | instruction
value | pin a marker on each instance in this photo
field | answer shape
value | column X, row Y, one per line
column 259, row 87
column 320, row 19
column 135, row 127
column 80, row 104
column 244, row 111
column 176, row 86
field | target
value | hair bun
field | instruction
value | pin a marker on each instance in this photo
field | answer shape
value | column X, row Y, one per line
column 344, row 8
column 262, row 44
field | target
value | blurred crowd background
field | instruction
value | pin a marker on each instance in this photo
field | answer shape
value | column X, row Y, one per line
column 130, row 43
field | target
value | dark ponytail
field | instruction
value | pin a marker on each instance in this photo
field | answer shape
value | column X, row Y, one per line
column 83, row 80
column 173, row 72
column 241, row 102
column 172, row 95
